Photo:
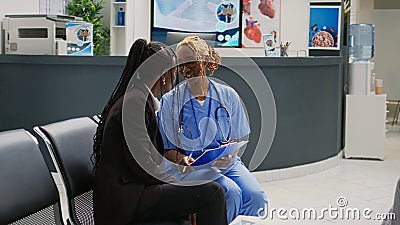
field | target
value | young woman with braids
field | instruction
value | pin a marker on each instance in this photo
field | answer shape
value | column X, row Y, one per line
column 200, row 114
column 130, row 185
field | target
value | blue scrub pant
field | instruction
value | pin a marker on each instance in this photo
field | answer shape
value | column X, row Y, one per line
column 244, row 195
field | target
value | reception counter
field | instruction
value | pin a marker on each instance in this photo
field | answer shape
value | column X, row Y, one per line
column 306, row 93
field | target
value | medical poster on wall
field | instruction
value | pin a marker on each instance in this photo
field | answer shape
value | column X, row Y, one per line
column 324, row 27
column 219, row 17
column 260, row 17
column 79, row 38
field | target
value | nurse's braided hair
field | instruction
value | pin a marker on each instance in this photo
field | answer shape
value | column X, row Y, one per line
column 139, row 52
column 203, row 53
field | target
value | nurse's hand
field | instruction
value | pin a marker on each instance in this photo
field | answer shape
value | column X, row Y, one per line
column 223, row 161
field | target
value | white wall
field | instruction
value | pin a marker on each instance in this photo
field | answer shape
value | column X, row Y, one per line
column 387, row 49
column 17, row 7
column 141, row 19
column 294, row 22
column 54, row 7
column 106, row 13
column 294, row 26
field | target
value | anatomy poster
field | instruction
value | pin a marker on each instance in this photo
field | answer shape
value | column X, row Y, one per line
column 260, row 17
column 219, row 17
column 324, row 28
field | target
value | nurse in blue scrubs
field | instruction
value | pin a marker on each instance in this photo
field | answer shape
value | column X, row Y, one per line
column 201, row 114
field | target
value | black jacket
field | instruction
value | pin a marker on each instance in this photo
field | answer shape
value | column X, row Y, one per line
column 121, row 182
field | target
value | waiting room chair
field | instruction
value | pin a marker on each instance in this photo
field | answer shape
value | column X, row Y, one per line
column 96, row 118
column 28, row 194
column 70, row 145
column 396, row 113
column 395, row 209
column 181, row 222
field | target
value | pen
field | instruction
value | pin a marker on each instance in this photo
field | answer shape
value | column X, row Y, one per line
column 187, row 166
column 190, row 155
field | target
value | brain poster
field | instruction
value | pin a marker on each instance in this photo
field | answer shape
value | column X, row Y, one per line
column 260, row 17
column 324, row 27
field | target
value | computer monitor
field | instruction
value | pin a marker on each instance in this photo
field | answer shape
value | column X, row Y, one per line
column 176, row 37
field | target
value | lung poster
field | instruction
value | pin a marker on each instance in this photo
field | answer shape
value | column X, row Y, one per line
column 260, row 17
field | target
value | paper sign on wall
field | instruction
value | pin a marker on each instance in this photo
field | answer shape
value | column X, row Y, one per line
column 79, row 38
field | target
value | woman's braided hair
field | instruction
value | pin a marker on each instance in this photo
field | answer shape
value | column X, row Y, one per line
column 202, row 52
column 139, row 52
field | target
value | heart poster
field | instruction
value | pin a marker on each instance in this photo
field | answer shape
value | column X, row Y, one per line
column 260, row 17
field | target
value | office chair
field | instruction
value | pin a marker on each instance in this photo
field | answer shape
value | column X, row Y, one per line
column 70, row 145
column 28, row 194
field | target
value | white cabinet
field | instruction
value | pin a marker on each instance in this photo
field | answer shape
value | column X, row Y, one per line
column 365, row 126
column 121, row 34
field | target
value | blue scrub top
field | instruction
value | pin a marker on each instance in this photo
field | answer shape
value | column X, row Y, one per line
column 202, row 126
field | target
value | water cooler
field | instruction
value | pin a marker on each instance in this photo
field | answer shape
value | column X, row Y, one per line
column 365, row 119
column 360, row 80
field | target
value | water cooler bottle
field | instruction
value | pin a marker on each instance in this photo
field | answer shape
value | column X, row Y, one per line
column 361, row 49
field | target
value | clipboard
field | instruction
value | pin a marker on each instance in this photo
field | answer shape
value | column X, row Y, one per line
column 209, row 155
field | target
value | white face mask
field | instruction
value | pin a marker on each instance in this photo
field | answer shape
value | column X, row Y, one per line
column 157, row 104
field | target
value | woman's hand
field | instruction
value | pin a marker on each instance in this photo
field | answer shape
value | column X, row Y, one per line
column 186, row 160
column 184, row 164
column 174, row 156
column 182, row 160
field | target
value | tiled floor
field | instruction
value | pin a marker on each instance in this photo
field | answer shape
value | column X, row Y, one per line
column 363, row 183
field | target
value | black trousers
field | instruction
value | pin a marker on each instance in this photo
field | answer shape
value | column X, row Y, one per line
column 206, row 200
